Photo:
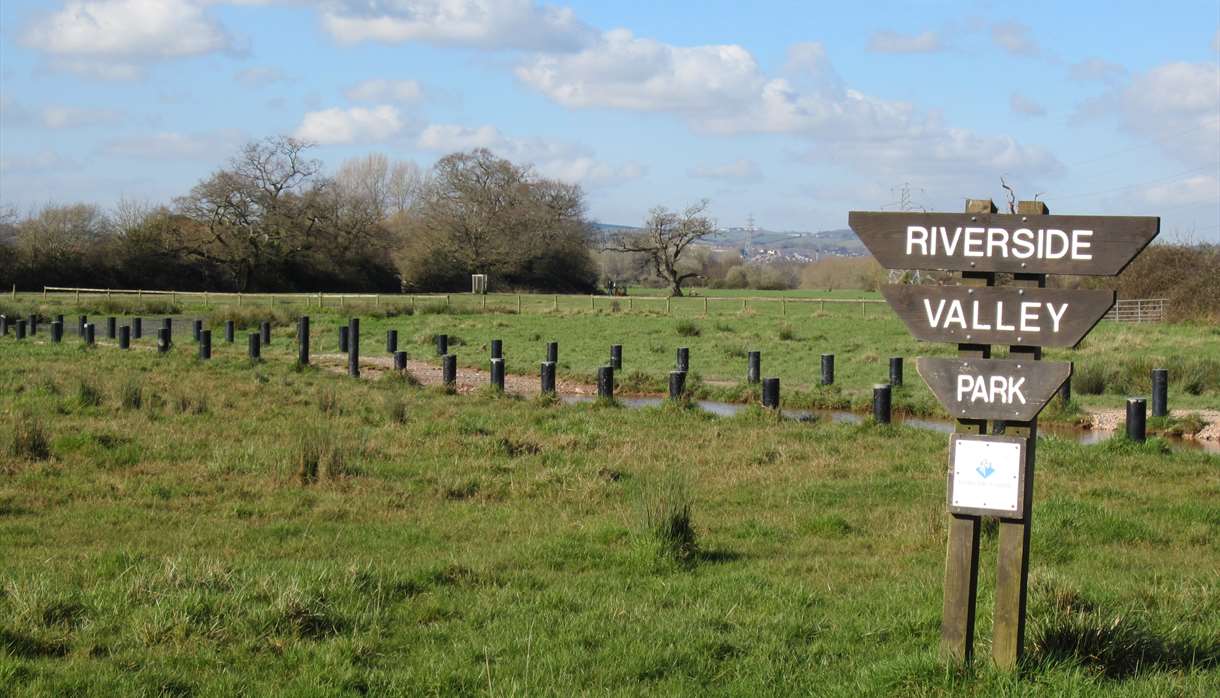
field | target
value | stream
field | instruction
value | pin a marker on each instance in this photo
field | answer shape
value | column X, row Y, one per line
column 728, row 409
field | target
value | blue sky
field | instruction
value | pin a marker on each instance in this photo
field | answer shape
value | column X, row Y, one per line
column 795, row 112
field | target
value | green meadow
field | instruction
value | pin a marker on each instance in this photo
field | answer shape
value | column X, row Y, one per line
column 175, row 527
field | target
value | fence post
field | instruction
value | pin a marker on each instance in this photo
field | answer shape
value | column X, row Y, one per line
column 881, row 403
column 44, row 293
column 863, row 309
column 518, row 303
column 605, row 382
column 77, row 293
column 705, row 306
column 667, row 310
column 556, row 302
column 783, row 302
column 770, row 393
column 1137, row 419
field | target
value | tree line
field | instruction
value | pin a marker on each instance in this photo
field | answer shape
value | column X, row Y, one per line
column 271, row 220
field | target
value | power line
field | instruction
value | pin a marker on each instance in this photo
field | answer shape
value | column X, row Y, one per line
column 1141, row 146
column 1136, row 185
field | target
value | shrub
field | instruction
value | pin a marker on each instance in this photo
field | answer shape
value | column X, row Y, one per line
column 787, row 334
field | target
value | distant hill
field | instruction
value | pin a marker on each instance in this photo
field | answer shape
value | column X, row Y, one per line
column 774, row 245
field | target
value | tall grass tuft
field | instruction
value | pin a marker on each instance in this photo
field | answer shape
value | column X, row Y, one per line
column 787, row 334
column 88, row 394
column 667, row 521
column 686, row 328
column 29, row 439
column 318, row 455
column 328, row 401
column 395, row 409
column 131, row 395
column 251, row 316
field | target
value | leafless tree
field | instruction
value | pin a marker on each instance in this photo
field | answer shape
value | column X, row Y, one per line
column 666, row 237
column 256, row 212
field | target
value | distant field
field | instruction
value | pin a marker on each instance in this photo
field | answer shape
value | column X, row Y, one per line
column 169, row 527
column 735, row 293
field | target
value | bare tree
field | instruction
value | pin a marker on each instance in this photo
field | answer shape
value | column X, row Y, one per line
column 665, row 239
column 256, row 213
column 383, row 188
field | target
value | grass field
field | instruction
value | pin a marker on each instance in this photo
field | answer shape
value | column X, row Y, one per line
column 169, row 527
column 1113, row 363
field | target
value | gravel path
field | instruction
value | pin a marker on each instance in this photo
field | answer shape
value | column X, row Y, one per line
column 468, row 379
column 1111, row 420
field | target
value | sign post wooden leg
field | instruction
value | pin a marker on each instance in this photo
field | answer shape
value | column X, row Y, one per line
column 962, row 557
column 1012, row 565
column 961, row 589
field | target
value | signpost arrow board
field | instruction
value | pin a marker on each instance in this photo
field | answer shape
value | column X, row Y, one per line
column 1032, row 244
column 1007, row 389
column 1042, row 317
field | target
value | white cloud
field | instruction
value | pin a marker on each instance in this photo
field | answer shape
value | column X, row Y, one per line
column 171, row 145
column 893, row 42
column 1202, row 189
column 111, row 39
column 741, row 168
column 1025, row 106
column 1096, row 69
column 452, row 137
column 40, row 161
column 627, row 72
column 75, row 117
column 260, row 76
column 563, row 161
column 1014, row 38
column 354, row 125
column 720, row 89
column 400, row 91
column 1175, row 104
column 489, row 24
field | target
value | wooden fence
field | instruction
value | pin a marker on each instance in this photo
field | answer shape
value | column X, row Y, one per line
column 495, row 302
column 1138, row 310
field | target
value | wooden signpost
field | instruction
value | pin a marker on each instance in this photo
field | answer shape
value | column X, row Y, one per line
column 993, row 474
column 1041, row 317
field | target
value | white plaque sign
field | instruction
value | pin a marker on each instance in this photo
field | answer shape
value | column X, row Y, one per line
column 987, row 475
